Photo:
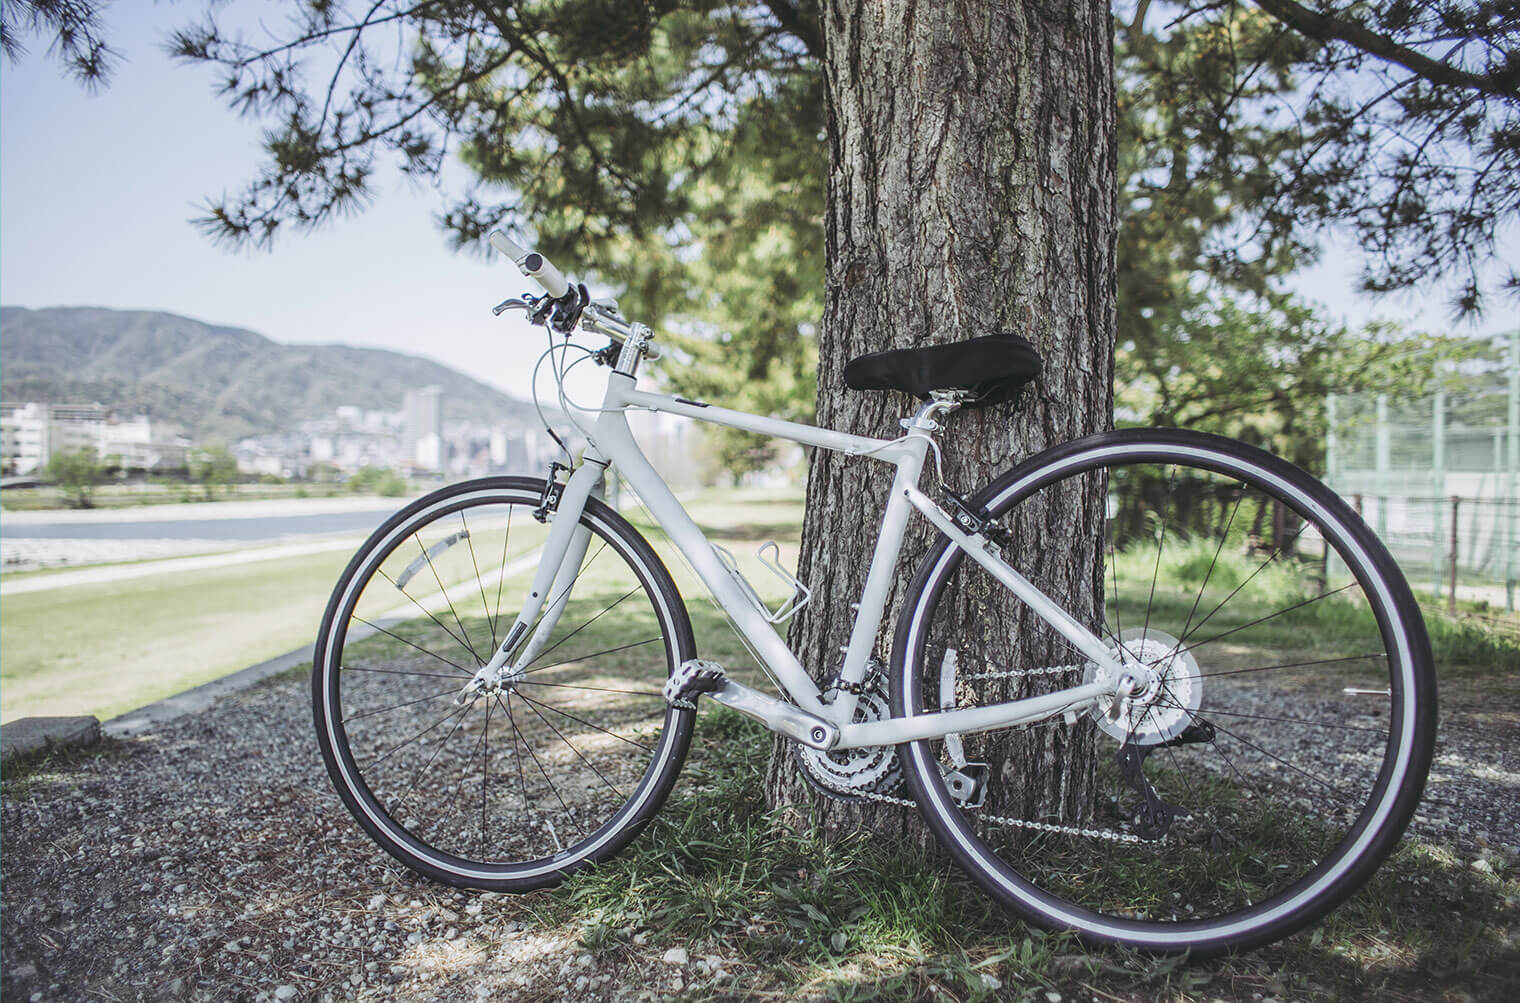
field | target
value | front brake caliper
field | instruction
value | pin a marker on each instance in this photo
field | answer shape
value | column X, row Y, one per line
column 549, row 501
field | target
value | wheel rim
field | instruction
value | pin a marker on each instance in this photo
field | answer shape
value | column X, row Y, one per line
column 526, row 779
column 1256, row 850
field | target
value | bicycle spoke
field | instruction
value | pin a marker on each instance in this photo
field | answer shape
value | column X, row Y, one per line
column 445, row 593
column 1289, row 665
column 1113, row 566
column 1213, row 563
column 552, row 788
column 425, row 651
column 582, row 721
column 1271, row 558
column 517, row 737
column 595, row 689
column 501, row 578
column 1275, row 758
column 422, row 770
column 397, row 748
column 583, row 626
column 409, row 703
column 1156, row 571
column 428, row 613
column 1215, row 712
column 404, row 672
column 573, row 749
column 1194, row 646
column 597, row 654
column 485, row 772
column 484, row 607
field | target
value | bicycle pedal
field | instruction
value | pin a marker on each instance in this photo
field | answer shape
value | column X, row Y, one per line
column 693, row 678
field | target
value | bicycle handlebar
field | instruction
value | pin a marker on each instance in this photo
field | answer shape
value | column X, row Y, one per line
column 532, row 264
column 601, row 318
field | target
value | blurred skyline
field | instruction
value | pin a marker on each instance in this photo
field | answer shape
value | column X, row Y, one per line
column 97, row 191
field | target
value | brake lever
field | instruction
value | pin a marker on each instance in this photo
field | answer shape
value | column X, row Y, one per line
column 515, row 303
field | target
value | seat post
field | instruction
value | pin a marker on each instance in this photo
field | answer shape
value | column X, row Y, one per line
column 940, row 402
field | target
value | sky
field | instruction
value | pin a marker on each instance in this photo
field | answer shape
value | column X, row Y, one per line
column 97, row 191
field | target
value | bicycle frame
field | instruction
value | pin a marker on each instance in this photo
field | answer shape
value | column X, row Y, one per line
column 612, row 442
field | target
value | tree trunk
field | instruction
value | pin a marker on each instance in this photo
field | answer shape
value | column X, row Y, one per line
column 971, row 190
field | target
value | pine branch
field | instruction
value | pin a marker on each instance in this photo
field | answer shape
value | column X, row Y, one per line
column 1325, row 28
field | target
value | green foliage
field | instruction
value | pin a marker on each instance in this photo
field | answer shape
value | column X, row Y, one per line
column 212, row 466
column 679, row 150
column 322, row 472
column 1262, row 122
column 1259, row 368
column 381, row 481
column 77, row 472
column 76, row 41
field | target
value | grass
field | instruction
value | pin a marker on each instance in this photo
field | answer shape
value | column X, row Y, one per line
column 140, row 495
column 108, row 648
column 804, row 913
column 1187, row 568
column 854, row 917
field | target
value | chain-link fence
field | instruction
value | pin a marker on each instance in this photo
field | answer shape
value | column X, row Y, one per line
column 1437, row 479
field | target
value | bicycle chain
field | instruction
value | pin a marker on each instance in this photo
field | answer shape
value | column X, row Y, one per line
column 828, row 788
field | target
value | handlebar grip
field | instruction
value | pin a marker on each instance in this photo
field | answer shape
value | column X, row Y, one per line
column 532, row 264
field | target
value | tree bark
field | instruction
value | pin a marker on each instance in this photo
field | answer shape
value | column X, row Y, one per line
column 971, row 190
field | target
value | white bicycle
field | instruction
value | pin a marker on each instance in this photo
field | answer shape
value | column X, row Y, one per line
column 1201, row 736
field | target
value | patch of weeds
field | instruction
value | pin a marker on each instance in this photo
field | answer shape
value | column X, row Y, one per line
column 857, row 917
column 21, row 773
column 1471, row 645
column 1425, row 919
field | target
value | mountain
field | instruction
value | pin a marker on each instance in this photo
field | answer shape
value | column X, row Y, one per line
column 219, row 382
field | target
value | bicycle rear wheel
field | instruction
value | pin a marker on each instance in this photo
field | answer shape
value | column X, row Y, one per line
column 1276, row 756
column 514, row 789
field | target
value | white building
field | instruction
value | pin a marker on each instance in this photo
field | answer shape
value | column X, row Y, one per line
column 31, row 433
column 422, row 428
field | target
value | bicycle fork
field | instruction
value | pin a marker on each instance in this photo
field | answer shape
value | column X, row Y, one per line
column 558, row 568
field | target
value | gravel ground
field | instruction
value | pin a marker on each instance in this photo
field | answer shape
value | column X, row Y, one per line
column 212, row 861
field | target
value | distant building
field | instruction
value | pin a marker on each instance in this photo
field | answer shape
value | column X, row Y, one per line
column 31, row 433
column 422, row 428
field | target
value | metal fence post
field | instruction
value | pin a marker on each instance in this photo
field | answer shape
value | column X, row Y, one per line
column 1384, row 451
column 1438, row 488
column 1329, row 564
column 1509, row 479
column 1332, row 444
column 1451, row 597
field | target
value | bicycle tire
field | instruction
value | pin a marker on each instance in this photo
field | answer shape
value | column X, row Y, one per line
column 585, row 749
column 1253, row 850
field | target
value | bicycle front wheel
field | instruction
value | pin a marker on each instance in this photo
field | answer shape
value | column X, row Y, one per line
column 1279, row 744
column 513, row 787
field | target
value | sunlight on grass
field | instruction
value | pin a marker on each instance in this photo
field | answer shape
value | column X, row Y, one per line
column 857, row 917
column 106, row 649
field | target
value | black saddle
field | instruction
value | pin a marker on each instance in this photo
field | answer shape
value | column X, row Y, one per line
column 993, row 369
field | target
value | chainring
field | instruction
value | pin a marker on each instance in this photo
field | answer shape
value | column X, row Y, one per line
column 849, row 774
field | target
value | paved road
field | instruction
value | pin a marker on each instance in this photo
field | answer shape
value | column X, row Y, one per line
column 31, row 540
column 267, row 520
